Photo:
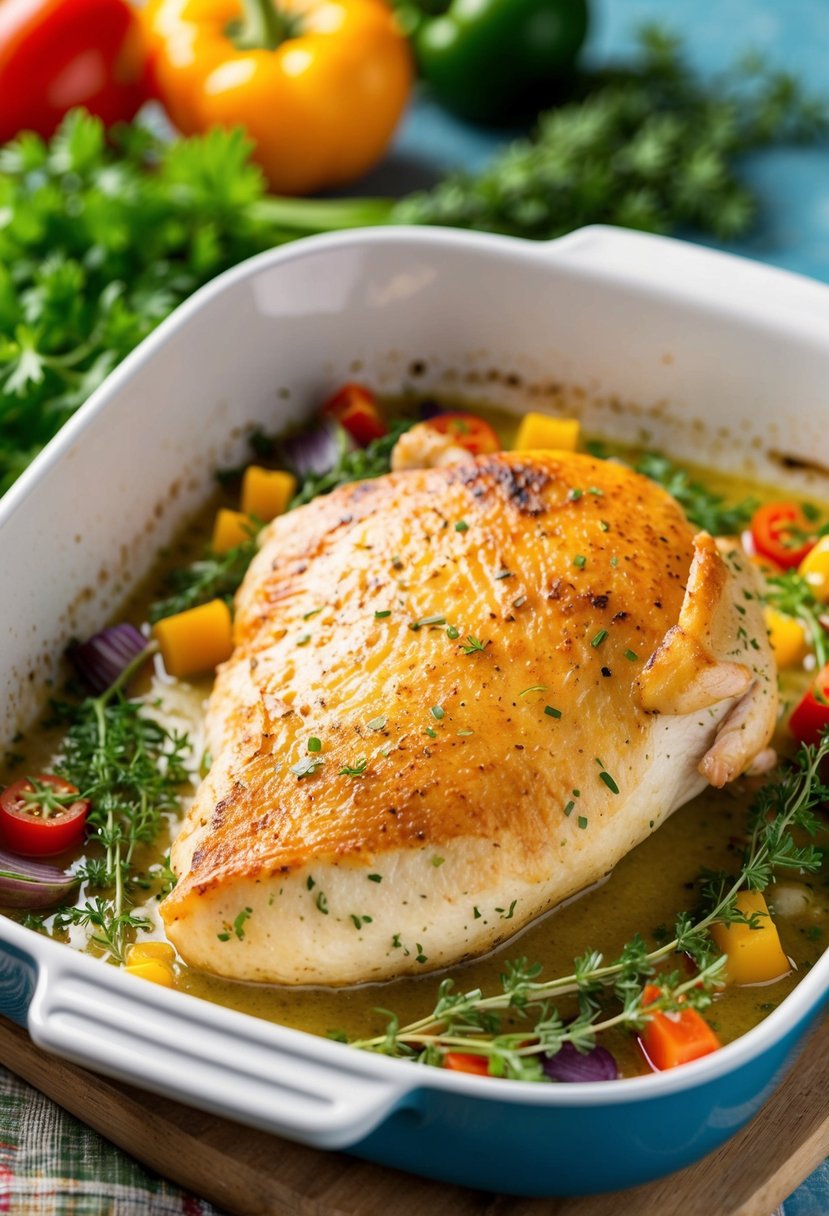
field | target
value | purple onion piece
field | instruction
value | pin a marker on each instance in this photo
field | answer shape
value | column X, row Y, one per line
column 430, row 409
column 100, row 661
column 31, row 884
column 571, row 1065
column 317, row 450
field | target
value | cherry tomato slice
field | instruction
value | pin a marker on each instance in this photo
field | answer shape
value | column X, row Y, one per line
column 41, row 828
column 468, row 431
column 356, row 410
column 783, row 533
column 811, row 717
column 462, row 1061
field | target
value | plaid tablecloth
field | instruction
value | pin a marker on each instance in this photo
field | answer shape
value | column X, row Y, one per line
column 53, row 1165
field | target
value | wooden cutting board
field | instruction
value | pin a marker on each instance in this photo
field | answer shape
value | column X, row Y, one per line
column 250, row 1173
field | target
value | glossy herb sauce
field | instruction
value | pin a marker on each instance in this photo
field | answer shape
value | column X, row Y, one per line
column 643, row 895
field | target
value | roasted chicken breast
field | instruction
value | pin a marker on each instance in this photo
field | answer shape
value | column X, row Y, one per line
column 459, row 696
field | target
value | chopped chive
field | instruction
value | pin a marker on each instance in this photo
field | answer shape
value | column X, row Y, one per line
column 304, row 640
column 314, row 745
column 437, row 711
column 609, row 782
column 377, row 723
column 357, row 769
column 322, row 903
column 379, row 616
column 582, row 821
column 574, row 495
column 604, row 525
column 599, row 638
column 309, row 882
column 461, row 526
column 476, row 913
column 433, row 734
column 631, row 655
column 551, row 712
column 306, row 616
column 569, row 808
column 437, row 619
column 375, row 877
column 614, row 561
column 580, row 560
column 595, row 491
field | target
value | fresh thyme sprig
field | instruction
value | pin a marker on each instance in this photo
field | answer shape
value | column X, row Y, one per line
column 471, row 1022
column 216, row 576
column 791, row 594
column 132, row 769
column 703, row 507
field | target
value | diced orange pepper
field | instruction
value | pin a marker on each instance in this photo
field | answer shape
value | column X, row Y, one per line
column 230, row 529
column 787, row 638
column 755, row 956
column 266, row 492
column 461, row 1061
column 196, row 640
column 154, row 971
column 543, row 433
column 145, row 952
column 815, row 569
column 671, row 1039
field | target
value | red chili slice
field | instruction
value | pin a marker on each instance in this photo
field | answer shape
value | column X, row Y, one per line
column 41, row 816
column 356, row 410
column 811, row 716
column 468, row 431
column 783, row 533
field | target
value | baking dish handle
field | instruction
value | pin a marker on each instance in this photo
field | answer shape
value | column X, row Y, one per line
column 306, row 1089
column 694, row 272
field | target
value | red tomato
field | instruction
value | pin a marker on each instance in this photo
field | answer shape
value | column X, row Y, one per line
column 468, row 431
column 811, row 716
column 782, row 532
column 461, row 1061
column 56, row 54
column 41, row 827
column 355, row 408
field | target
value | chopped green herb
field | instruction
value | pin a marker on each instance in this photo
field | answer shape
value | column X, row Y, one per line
column 614, row 561
column 552, row 712
column 309, row 882
column 379, row 616
column 420, row 957
column 575, row 495
column 223, row 937
column 570, row 807
column 502, row 574
column 533, row 688
column 303, row 640
column 375, row 877
column 465, row 733
column 599, row 638
column 396, row 942
column 580, row 560
column 604, row 525
column 631, row 655
column 239, row 923
column 322, row 903
column 377, row 723
column 476, row 914
column 594, row 490
column 433, row 734
column 437, row 861
column 437, row 619
column 461, row 526
column 314, row 744
column 474, row 645
column 357, row 769
column 453, row 633
column 306, row 616
column 520, row 602
column 582, row 821
column 437, row 711
column 609, row 782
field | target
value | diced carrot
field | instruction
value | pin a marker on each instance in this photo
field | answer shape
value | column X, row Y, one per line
column 670, row 1039
column 231, row 528
column 540, row 432
column 196, row 640
column 266, row 492
column 755, row 956
column 461, row 1061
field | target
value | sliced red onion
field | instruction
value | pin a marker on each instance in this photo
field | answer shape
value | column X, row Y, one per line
column 430, row 409
column 317, row 450
column 31, row 884
column 100, row 661
column 571, row 1065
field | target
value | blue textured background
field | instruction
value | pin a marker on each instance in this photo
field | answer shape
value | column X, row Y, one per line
column 793, row 183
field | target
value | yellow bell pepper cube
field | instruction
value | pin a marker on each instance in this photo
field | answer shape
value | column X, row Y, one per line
column 196, row 640
column 540, row 432
column 755, row 956
column 787, row 637
column 154, row 971
column 815, row 569
column 266, row 492
column 145, row 952
column 230, row 529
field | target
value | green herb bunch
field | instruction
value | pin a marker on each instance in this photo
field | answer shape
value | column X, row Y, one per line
column 132, row 770
column 655, row 148
column 520, row 1025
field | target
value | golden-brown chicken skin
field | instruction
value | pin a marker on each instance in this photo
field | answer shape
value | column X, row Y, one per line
column 459, row 695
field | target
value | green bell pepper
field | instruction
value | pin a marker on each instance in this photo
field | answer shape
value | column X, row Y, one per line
column 495, row 60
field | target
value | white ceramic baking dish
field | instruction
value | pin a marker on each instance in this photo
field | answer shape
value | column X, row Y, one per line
column 713, row 358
